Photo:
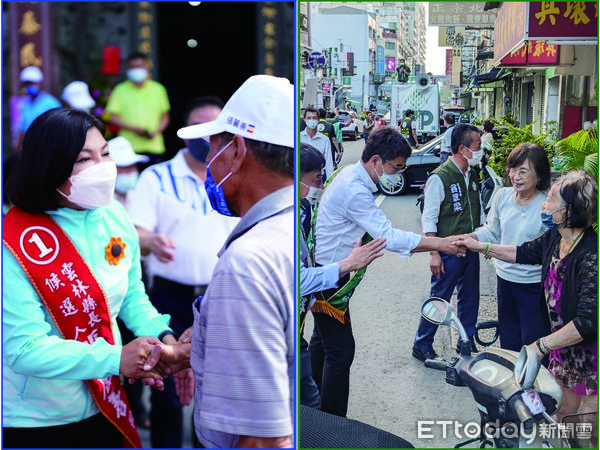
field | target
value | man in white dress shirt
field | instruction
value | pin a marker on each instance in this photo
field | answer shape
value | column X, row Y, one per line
column 347, row 212
column 318, row 140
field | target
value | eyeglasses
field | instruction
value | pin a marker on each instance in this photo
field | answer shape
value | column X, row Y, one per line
column 397, row 169
column 520, row 172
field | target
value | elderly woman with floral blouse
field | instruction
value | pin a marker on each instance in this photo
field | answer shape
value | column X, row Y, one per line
column 568, row 253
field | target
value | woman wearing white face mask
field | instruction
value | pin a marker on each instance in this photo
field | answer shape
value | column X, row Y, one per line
column 126, row 161
column 70, row 267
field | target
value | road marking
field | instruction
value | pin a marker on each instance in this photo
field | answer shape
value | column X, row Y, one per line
column 379, row 200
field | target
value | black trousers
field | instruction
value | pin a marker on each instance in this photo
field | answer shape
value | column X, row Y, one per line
column 332, row 353
column 94, row 432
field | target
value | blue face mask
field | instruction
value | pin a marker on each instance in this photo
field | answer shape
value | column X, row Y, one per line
column 214, row 191
column 547, row 219
column 32, row 90
column 199, row 149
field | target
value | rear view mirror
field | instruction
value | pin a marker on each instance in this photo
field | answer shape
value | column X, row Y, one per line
column 527, row 367
column 437, row 311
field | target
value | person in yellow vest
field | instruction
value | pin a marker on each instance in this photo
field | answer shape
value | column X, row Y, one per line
column 71, row 266
column 140, row 107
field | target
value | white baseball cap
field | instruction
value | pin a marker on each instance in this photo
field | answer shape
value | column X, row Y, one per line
column 77, row 94
column 261, row 109
column 32, row 74
column 122, row 153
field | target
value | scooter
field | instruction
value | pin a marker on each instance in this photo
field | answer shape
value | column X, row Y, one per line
column 514, row 394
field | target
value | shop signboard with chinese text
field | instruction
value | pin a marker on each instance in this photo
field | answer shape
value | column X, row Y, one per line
column 30, row 40
column 519, row 22
column 390, row 64
column 338, row 60
column 460, row 13
column 451, row 36
column 380, row 60
column 532, row 53
column 510, row 29
column 563, row 20
column 456, row 66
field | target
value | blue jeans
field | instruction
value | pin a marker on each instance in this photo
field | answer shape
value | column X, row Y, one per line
column 462, row 273
column 520, row 316
column 309, row 393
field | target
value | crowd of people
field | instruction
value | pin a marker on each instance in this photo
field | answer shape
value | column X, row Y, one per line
column 180, row 274
column 186, row 281
column 541, row 233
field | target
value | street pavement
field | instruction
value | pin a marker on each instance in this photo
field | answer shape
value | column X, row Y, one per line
column 390, row 389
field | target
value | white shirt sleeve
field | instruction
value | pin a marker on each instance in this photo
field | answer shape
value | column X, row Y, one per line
column 434, row 196
column 363, row 211
column 142, row 207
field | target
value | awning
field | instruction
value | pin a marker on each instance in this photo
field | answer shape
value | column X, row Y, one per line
column 485, row 78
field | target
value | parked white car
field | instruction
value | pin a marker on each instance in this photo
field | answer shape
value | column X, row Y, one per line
column 351, row 124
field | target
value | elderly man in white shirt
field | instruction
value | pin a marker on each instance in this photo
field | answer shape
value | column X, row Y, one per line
column 347, row 212
column 318, row 140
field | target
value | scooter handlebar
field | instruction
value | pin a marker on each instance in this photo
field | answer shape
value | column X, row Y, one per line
column 436, row 364
column 521, row 410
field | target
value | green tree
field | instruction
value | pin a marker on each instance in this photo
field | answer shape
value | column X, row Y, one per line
column 578, row 151
column 511, row 136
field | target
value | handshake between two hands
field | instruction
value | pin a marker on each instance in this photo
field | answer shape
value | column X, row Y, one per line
column 150, row 360
column 459, row 244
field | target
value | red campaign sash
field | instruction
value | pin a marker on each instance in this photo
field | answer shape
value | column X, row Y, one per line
column 74, row 299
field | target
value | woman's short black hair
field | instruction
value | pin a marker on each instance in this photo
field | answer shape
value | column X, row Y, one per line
column 311, row 159
column 579, row 194
column 488, row 126
column 388, row 143
column 50, row 148
column 538, row 158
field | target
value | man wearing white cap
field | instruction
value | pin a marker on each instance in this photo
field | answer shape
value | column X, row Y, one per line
column 36, row 103
column 182, row 234
column 242, row 350
column 77, row 95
